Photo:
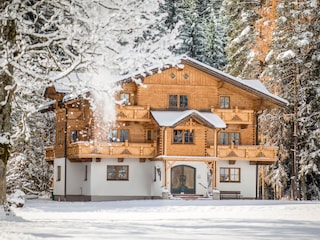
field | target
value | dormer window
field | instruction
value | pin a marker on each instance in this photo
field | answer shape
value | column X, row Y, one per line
column 178, row 101
column 224, row 102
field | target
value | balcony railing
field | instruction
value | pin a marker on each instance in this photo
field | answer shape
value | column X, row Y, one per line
column 258, row 153
column 50, row 154
column 132, row 113
column 83, row 150
column 234, row 116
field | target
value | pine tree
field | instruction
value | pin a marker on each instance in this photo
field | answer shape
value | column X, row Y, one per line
column 240, row 17
column 200, row 31
column 214, row 54
column 293, row 65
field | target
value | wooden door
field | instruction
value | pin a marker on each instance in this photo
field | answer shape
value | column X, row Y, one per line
column 183, row 179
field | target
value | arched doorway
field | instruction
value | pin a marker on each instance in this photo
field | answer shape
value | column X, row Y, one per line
column 183, row 179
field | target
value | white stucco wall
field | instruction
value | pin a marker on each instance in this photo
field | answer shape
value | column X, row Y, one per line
column 76, row 184
column 247, row 184
column 58, row 185
column 140, row 183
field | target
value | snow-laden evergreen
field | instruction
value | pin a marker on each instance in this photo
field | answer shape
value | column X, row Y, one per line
column 49, row 40
column 239, row 18
column 293, row 68
column 201, row 31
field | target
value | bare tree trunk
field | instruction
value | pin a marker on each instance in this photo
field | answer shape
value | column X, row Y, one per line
column 7, row 39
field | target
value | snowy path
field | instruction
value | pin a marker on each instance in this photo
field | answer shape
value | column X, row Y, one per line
column 165, row 219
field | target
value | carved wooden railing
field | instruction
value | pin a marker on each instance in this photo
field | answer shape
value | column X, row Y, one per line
column 82, row 150
column 234, row 116
column 245, row 152
column 50, row 154
column 132, row 113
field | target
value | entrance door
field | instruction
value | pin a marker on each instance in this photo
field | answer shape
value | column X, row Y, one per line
column 183, row 179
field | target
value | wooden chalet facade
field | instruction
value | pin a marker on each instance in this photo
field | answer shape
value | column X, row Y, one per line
column 189, row 129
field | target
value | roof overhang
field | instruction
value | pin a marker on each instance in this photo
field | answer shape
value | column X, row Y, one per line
column 253, row 86
column 175, row 118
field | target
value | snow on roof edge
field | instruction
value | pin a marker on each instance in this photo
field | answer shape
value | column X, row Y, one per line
column 241, row 83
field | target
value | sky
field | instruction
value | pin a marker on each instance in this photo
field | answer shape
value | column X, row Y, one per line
column 163, row 219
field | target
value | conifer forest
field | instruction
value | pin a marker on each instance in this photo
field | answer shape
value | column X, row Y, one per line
column 275, row 41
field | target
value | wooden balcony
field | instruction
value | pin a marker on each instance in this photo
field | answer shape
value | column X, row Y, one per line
column 50, row 154
column 235, row 116
column 133, row 113
column 253, row 153
column 86, row 150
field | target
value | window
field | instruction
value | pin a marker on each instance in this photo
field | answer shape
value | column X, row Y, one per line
column 149, row 135
column 113, row 135
column 224, row 102
column 183, row 136
column 227, row 138
column 229, row 174
column 74, row 135
column 180, row 101
column 86, row 173
column 183, row 101
column 235, row 138
column 124, row 135
column 173, row 100
column 58, row 173
column 125, row 98
column 117, row 172
column 224, row 138
column 119, row 135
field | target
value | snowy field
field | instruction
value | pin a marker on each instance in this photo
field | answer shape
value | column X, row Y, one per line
column 164, row 219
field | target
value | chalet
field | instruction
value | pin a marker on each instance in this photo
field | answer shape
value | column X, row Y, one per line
column 188, row 130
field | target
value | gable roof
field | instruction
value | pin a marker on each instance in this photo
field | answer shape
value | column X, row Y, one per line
column 174, row 118
column 253, row 86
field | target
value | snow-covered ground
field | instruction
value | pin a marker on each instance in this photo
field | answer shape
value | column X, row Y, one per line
column 164, row 219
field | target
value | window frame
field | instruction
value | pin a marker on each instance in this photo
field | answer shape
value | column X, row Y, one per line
column 59, row 173
column 115, row 135
column 178, row 101
column 74, row 135
column 117, row 169
column 173, row 101
column 223, row 103
column 149, row 135
column 125, row 98
column 227, row 138
column 86, row 173
column 235, row 138
column 184, row 137
column 231, row 177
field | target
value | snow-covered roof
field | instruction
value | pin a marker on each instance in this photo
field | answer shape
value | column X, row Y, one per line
column 174, row 118
column 254, row 86
column 46, row 105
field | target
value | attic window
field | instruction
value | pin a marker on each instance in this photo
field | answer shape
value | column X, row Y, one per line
column 186, row 76
column 224, row 102
column 172, row 75
column 178, row 101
